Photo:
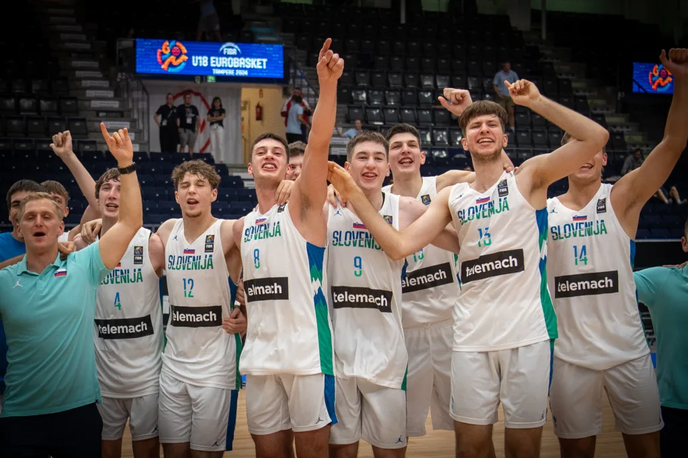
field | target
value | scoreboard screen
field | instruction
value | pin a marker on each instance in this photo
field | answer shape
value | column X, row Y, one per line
column 226, row 61
column 651, row 78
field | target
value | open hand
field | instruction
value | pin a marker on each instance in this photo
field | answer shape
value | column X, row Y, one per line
column 119, row 145
column 455, row 100
column 62, row 144
column 523, row 92
column 677, row 63
column 330, row 65
column 341, row 180
column 235, row 323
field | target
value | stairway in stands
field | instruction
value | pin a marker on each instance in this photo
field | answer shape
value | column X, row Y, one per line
column 82, row 61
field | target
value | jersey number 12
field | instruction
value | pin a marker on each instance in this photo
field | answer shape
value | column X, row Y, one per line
column 188, row 287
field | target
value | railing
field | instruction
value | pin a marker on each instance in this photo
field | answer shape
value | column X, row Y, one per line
column 297, row 78
column 134, row 92
column 132, row 89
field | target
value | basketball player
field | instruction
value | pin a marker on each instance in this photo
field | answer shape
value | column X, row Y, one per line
column 504, row 320
column 429, row 290
column 296, row 152
column 365, row 294
column 601, row 346
column 199, row 379
column 128, row 333
column 287, row 358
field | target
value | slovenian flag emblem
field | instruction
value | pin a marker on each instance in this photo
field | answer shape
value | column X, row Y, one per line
column 359, row 226
column 189, row 251
column 580, row 218
column 119, row 264
column 482, row 200
column 61, row 273
column 261, row 220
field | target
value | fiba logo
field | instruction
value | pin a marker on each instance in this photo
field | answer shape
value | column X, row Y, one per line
column 660, row 78
column 230, row 49
column 172, row 56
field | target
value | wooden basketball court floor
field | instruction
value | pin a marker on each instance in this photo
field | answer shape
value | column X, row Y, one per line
column 436, row 444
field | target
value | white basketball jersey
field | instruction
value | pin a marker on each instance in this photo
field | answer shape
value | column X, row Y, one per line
column 365, row 294
column 504, row 300
column 128, row 325
column 198, row 350
column 289, row 329
column 591, row 277
column 430, row 288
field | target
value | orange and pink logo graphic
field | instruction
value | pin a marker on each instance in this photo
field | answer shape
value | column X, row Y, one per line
column 172, row 56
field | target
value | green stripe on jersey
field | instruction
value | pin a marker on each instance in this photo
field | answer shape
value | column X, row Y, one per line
column 545, row 299
column 316, row 256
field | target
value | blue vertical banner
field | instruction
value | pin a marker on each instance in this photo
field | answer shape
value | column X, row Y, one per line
column 194, row 58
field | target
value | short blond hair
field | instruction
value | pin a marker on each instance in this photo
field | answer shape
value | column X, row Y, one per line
column 39, row 196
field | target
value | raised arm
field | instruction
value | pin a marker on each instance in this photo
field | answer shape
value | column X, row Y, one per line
column 634, row 189
column 311, row 186
column 114, row 243
column 545, row 169
column 397, row 244
column 62, row 146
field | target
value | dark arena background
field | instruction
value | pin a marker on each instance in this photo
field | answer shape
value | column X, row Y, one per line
column 72, row 64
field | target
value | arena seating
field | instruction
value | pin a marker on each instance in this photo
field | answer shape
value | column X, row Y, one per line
column 394, row 73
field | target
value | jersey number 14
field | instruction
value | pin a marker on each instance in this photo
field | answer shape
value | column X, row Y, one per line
column 580, row 255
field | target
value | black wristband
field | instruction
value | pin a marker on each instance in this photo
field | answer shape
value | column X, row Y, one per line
column 128, row 169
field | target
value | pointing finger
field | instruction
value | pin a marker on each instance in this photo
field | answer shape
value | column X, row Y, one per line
column 103, row 129
column 325, row 46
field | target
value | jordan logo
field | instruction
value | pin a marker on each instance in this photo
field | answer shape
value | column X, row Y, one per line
column 216, row 443
column 338, row 213
column 553, row 212
column 18, row 284
column 175, row 239
column 399, row 441
column 319, row 420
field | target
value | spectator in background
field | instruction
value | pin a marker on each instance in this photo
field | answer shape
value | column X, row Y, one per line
column 296, row 152
column 209, row 22
column 632, row 162
column 215, row 117
column 503, row 97
column 189, row 123
column 166, row 119
column 357, row 129
column 664, row 290
column 295, row 120
column 674, row 196
column 306, row 109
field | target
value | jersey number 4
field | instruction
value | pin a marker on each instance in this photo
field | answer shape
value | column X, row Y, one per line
column 118, row 304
